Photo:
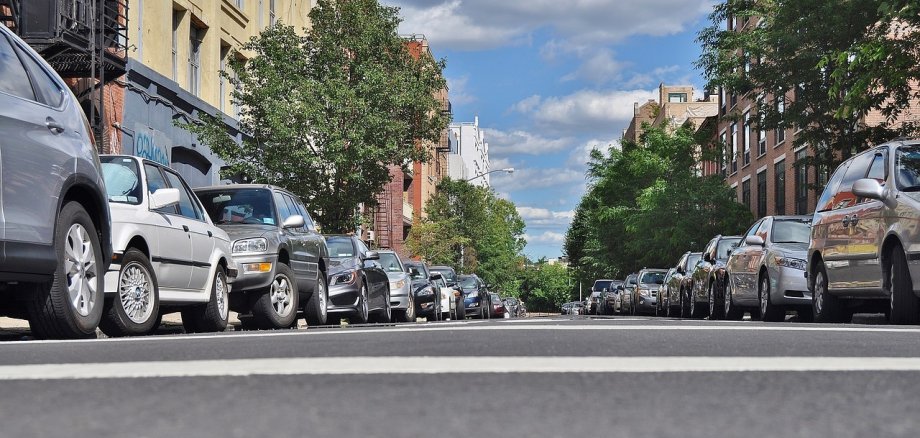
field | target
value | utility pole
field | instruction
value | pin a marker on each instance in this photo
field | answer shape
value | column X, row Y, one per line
column 579, row 292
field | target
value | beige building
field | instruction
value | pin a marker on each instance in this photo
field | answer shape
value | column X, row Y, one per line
column 674, row 107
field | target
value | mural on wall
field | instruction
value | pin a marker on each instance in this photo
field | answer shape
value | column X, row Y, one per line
column 151, row 144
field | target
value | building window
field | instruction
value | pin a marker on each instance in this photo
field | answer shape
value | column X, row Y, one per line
column 271, row 12
column 177, row 20
column 762, row 142
column 194, row 60
column 677, row 97
column 762, row 194
column 746, row 140
column 722, row 100
column 746, row 193
column 779, row 188
column 240, row 4
column 801, row 183
column 781, row 130
column 734, row 148
column 725, row 159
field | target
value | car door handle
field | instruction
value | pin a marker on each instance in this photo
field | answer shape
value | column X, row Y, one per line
column 185, row 227
column 53, row 126
column 846, row 221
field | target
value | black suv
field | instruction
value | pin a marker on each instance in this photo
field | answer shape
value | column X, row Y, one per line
column 282, row 259
column 55, row 246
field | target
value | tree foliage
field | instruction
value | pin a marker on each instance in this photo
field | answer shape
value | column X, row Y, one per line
column 485, row 232
column 646, row 205
column 545, row 287
column 832, row 62
column 325, row 113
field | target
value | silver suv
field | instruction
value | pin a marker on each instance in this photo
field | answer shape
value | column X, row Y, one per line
column 55, row 228
column 865, row 240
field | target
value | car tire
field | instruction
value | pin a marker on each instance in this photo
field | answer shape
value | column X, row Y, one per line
column 213, row 316
column 384, row 315
column 769, row 312
column 716, row 302
column 905, row 306
column 732, row 312
column 360, row 315
column 826, row 307
column 696, row 311
column 276, row 307
column 684, row 304
column 135, row 308
column 56, row 311
column 315, row 311
column 407, row 315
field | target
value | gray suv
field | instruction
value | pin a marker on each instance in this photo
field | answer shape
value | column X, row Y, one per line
column 864, row 250
column 282, row 259
column 55, row 227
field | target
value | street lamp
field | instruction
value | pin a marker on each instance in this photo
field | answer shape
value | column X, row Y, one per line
column 507, row 169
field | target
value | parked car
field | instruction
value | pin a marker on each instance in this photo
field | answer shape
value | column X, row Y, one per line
column 514, row 307
column 625, row 296
column 706, row 297
column 766, row 271
column 681, row 284
column 55, row 244
column 425, row 291
column 497, row 308
column 596, row 299
column 863, row 248
column 645, row 295
column 661, row 305
column 402, row 300
column 358, row 285
column 592, row 302
column 451, row 296
column 168, row 255
column 475, row 294
column 283, row 259
column 609, row 303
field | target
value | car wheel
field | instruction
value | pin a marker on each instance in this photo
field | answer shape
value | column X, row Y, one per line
column 905, row 306
column 210, row 317
column 71, row 305
column 136, row 307
column 684, row 305
column 460, row 312
column 716, row 302
column 360, row 315
column 315, row 311
column 732, row 312
column 385, row 315
column 696, row 312
column 768, row 311
column 826, row 307
column 276, row 307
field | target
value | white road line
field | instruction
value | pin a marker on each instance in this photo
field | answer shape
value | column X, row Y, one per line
column 461, row 326
column 449, row 365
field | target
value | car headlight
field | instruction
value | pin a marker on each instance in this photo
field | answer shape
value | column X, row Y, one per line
column 790, row 262
column 426, row 292
column 399, row 284
column 344, row 278
column 644, row 292
column 259, row 244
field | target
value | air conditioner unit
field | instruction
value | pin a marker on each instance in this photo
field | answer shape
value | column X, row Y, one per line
column 371, row 236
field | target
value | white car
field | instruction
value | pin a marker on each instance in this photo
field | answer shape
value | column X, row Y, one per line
column 168, row 256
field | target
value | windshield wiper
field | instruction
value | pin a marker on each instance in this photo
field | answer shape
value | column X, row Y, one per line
column 911, row 189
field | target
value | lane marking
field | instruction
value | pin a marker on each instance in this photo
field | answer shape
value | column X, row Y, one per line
column 450, row 365
column 461, row 326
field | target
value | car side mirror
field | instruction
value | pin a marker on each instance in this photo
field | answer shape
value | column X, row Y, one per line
column 707, row 258
column 370, row 255
column 294, row 221
column 164, row 198
column 869, row 188
column 754, row 240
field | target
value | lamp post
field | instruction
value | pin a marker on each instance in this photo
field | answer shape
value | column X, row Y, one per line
column 507, row 169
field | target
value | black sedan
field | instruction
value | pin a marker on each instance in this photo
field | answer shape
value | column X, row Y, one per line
column 358, row 285
column 427, row 294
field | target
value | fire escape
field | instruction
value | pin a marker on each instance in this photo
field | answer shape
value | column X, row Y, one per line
column 85, row 41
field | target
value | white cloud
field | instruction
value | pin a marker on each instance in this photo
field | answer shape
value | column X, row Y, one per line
column 542, row 218
column 532, row 178
column 600, row 67
column 654, row 77
column 502, row 144
column 483, row 24
column 458, row 90
column 550, row 237
column 589, row 111
column 580, row 156
column 527, row 105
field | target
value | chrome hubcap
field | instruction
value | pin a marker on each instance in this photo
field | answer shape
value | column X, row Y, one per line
column 80, row 270
column 281, row 296
column 220, row 289
column 764, row 294
column 363, row 302
column 321, row 298
column 728, row 296
column 134, row 291
column 819, row 293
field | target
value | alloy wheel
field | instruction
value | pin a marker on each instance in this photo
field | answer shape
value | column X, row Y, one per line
column 134, row 287
column 818, row 296
column 321, row 298
column 764, row 294
column 220, row 291
column 80, row 268
column 363, row 304
column 281, row 296
column 728, row 296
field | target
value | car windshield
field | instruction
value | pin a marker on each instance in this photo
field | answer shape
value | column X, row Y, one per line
column 448, row 274
column 692, row 260
column 239, row 206
column 631, row 280
column 908, row 168
column 652, row 278
column 726, row 245
column 468, row 283
column 122, row 180
column 602, row 284
column 791, row 231
column 340, row 247
column 390, row 262
column 416, row 272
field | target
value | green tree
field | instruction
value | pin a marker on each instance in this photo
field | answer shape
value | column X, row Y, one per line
column 545, row 287
column 326, row 113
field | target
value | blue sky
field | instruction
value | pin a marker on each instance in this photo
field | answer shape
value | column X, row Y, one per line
column 551, row 79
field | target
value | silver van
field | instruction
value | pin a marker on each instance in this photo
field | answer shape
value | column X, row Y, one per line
column 864, row 253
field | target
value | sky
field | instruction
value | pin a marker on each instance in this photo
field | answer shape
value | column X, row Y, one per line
column 552, row 79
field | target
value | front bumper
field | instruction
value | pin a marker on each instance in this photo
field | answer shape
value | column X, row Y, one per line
column 251, row 280
column 646, row 303
column 344, row 297
column 789, row 287
column 399, row 297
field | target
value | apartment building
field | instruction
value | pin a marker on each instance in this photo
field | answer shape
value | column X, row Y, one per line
column 675, row 106
column 177, row 50
column 471, row 151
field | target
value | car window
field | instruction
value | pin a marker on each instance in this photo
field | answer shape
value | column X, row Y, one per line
column 156, row 181
column 13, row 77
column 307, row 219
column 468, row 283
column 122, row 180
column 908, row 168
column 601, row 284
column 362, row 248
column 762, row 229
column 692, row 261
column 791, row 231
column 235, row 206
column 340, row 247
column 186, row 205
column 826, row 201
column 284, row 210
column 417, row 272
column 48, row 91
column 878, row 170
column 753, row 230
column 652, row 278
column 858, row 168
column 390, row 262
column 724, row 247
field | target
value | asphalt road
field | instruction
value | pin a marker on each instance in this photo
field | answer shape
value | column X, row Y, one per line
column 557, row 377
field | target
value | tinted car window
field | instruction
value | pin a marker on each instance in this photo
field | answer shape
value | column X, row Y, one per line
column 186, row 205
column 122, row 180
column 13, row 77
column 340, row 247
column 908, row 167
column 246, row 206
column 652, row 278
column 601, row 284
column 49, row 92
